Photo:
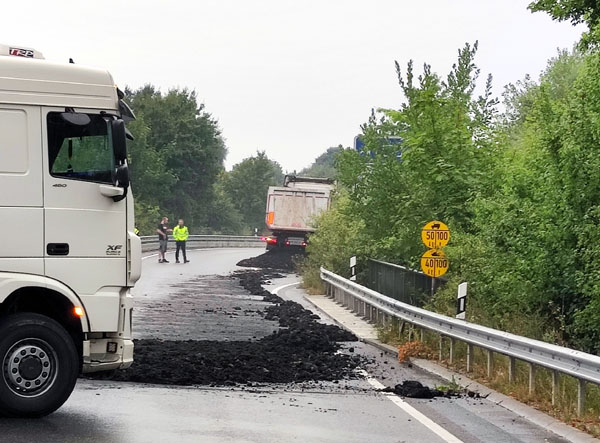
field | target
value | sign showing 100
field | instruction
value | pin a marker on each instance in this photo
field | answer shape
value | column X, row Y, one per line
column 435, row 235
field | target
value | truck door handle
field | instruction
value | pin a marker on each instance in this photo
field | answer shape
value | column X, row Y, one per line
column 57, row 249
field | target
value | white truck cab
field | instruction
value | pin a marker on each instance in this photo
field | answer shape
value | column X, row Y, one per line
column 68, row 252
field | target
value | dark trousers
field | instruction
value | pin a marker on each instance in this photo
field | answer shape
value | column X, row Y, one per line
column 180, row 246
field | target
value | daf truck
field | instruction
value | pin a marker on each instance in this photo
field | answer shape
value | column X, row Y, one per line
column 68, row 252
column 291, row 209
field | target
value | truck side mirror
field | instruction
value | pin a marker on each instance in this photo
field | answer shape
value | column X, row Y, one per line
column 122, row 176
column 118, row 139
column 122, row 181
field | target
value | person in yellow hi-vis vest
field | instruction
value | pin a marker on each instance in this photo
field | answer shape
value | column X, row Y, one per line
column 180, row 234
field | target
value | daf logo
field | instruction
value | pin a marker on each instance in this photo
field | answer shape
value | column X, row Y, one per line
column 114, row 249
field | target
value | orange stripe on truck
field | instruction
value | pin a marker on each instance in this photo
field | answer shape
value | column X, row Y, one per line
column 270, row 218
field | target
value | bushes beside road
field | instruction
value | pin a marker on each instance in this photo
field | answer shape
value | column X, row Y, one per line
column 518, row 188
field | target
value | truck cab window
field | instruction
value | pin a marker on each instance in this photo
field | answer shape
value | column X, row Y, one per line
column 80, row 152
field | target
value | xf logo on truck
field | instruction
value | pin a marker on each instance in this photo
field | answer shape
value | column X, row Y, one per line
column 114, row 249
column 21, row 52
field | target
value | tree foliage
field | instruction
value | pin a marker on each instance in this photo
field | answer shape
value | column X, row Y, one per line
column 575, row 11
column 247, row 185
column 175, row 159
column 324, row 165
column 519, row 191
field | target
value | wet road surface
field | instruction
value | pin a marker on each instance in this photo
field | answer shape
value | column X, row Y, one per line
column 348, row 411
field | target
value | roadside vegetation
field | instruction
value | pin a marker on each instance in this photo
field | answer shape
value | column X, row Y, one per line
column 517, row 179
column 517, row 182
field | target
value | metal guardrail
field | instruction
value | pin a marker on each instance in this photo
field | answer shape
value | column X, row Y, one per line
column 150, row 242
column 377, row 307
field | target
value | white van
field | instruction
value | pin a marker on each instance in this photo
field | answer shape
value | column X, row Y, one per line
column 68, row 252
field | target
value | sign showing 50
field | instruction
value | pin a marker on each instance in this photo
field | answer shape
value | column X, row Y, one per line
column 435, row 235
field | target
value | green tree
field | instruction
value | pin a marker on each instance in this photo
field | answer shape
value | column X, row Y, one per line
column 177, row 155
column 576, row 11
column 324, row 164
column 247, row 185
column 441, row 165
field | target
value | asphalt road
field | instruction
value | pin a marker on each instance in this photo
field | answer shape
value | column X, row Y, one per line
column 348, row 411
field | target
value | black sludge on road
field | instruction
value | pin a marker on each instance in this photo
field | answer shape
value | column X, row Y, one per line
column 283, row 259
column 301, row 350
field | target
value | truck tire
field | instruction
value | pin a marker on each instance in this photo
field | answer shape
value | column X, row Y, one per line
column 40, row 365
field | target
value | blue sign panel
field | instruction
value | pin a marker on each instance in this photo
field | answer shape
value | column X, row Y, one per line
column 359, row 145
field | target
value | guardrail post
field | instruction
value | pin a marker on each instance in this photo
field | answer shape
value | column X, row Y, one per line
column 422, row 335
column 451, row 356
column 512, row 368
column 469, row 357
column 440, row 347
column 531, row 378
column 580, row 397
column 555, row 380
column 490, row 364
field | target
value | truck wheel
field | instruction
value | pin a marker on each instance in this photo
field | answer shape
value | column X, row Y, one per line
column 40, row 365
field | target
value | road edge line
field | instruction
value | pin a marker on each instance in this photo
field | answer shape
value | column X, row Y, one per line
column 410, row 410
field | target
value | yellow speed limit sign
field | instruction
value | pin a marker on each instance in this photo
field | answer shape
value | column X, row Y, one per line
column 434, row 263
column 435, row 235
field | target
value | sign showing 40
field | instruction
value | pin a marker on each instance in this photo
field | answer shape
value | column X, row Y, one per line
column 434, row 263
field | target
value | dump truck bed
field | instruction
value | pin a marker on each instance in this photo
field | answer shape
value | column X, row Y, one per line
column 294, row 209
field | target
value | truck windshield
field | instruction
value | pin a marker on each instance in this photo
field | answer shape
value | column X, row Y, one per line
column 80, row 152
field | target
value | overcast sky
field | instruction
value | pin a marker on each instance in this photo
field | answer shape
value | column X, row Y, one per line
column 289, row 77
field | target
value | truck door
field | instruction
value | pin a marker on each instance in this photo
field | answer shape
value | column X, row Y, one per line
column 85, row 230
column 21, row 201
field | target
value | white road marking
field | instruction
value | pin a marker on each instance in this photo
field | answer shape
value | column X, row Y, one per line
column 423, row 419
column 280, row 288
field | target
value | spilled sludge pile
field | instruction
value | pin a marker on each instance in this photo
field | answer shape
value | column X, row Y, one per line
column 302, row 350
column 281, row 258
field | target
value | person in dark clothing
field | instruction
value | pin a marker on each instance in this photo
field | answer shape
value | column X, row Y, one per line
column 163, row 239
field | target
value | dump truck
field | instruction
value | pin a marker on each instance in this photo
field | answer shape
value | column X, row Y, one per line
column 292, row 208
column 69, row 254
